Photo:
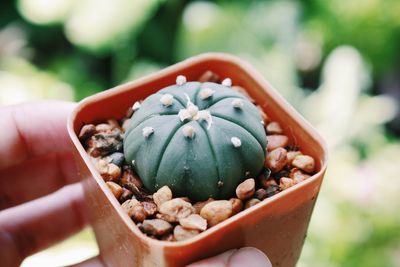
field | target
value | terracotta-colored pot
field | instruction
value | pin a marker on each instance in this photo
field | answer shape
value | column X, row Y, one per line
column 277, row 225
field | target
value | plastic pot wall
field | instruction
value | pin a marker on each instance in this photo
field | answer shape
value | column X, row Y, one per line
column 277, row 225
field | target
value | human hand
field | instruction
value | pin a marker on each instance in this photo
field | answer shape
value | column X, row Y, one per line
column 36, row 161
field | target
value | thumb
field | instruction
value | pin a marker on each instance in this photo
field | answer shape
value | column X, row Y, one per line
column 248, row 256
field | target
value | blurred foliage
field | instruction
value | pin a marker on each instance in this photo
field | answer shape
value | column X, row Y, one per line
column 336, row 61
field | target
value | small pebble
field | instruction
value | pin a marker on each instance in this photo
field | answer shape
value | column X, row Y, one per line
column 86, row 132
column 261, row 194
column 291, row 155
column 275, row 141
column 181, row 233
column 209, row 76
column 150, row 208
column 126, row 194
column 109, row 171
column 237, row 205
column 116, row 189
column 162, row 195
column 128, row 206
column 274, row 128
column 194, row 222
column 266, row 182
column 272, row 190
column 297, row 175
column 251, row 203
column 304, row 162
column 117, row 158
column 129, row 176
column 156, row 227
column 216, row 211
column 176, row 209
column 276, row 159
column 246, row 189
column 138, row 213
column 103, row 127
column 199, row 205
column 285, row 183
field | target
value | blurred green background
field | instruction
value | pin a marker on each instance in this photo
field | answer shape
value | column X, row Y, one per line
column 337, row 62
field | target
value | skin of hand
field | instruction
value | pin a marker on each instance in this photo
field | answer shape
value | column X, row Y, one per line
column 41, row 199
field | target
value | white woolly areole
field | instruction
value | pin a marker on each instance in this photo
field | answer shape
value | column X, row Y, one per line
column 236, row 142
column 188, row 131
column 166, row 99
column 136, row 106
column 184, row 114
column 192, row 109
column 237, row 103
column 180, row 80
column 206, row 93
column 227, row 82
column 147, row 131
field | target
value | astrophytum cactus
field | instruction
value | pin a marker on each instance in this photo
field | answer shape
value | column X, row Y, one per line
column 200, row 139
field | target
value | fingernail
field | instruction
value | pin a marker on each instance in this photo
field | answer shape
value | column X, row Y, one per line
column 250, row 257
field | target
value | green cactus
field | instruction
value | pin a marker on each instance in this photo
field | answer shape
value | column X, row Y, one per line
column 200, row 139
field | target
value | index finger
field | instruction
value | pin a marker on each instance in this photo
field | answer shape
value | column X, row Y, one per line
column 34, row 129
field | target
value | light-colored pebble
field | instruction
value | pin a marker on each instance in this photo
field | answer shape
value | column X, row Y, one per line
column 156, row 227
column 298, row 175
column 176, row 209
column 291, row 155
column 285, row 183
column 194, row 222
column 199, row 205
column 128, row 206
column 237, row 205
column 304, row 162
column 109, row 171
column 276, row 159
column 274, row 128
column 216, row 211
column 251, row 202
column 115, row 188
column 103, row 127
column 181, row 233
column 245, row 190
column 162, row 195
column 275, row 141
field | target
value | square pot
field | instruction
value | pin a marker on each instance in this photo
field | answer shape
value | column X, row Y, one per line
column 277, row 225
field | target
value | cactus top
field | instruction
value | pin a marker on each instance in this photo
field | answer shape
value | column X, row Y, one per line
column 200, row 139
